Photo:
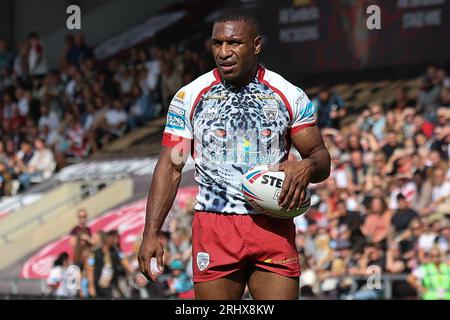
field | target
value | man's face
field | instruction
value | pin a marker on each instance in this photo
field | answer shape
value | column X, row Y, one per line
column 392, row 139
column 234, row 48
column 25, row 147
column 39, row 145
column 324, row 95
column 439, row 177
column 434, row 256
column 82, row 217
column 109, row 240
column 402, row 204
column 357, row 159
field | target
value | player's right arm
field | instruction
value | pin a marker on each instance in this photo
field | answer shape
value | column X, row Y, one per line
column 163, row 189
column 166, row 179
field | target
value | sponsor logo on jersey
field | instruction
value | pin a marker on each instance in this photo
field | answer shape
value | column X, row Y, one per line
column 212, row 112
column 215, row 97
column 175, row 121
column 180, row 95
column 178, row 100
column 202, row 260
column 246, row 145
column 176, row 110
column 264, row 96
column 271, row 112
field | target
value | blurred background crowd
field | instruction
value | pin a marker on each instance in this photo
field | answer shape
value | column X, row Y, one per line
column 384, row 210
column 52, row 118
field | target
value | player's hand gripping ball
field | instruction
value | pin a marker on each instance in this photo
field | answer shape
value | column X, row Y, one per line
column 262, row 188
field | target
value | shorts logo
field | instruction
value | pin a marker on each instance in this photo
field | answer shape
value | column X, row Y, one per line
column 202, row 260
column 284, row 261
column 271, row 112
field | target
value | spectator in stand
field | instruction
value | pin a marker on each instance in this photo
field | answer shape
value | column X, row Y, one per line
column 180, row 285
column 20, row 65
column 401, row 101
column 76, row 138
column 41, row 165
column 115, row 122
column 358, row 171
column 48, row 118
column 397, row 264
column 435, row 193
column 373, row 121
column 428, row 98
column 444, row 97
column 391, row 144
column 170, row 83
column 6, row 57
column 10, row 111
column 403, row 215
column 443, row 240
column 330, row 109
column 373, row 260
column 78, row 51
column 141, row 109
column 23, row 102
column 377, row 223
column 179, row 246
column 441, row 78
column 37, row 63
column 431, row 279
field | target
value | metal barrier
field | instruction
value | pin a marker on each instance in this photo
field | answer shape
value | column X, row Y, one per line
column 29, row 287
column 86, row 191
column 386, row 281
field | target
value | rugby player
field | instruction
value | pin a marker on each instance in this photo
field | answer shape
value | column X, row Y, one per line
column 231, row 119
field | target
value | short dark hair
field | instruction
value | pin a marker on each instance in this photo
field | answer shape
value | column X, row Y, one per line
column 239, row 14
column 61, row 258
column 400, row 196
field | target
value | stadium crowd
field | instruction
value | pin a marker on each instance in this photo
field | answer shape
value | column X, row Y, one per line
column 385, row 207
column 51, row 118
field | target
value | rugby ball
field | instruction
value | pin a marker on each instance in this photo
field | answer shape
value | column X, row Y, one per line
column 261, row 188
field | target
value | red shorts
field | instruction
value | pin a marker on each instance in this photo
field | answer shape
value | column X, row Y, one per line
column 224, row 243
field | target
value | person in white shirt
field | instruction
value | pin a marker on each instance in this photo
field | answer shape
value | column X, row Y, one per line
column 115, row 120
column 23, row 101
column 63, row 278
column 37, row 64
column 40, row 166
column 48, row 118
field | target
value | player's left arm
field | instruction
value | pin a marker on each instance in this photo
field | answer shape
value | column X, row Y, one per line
column 314, row 168
column 305, row 136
